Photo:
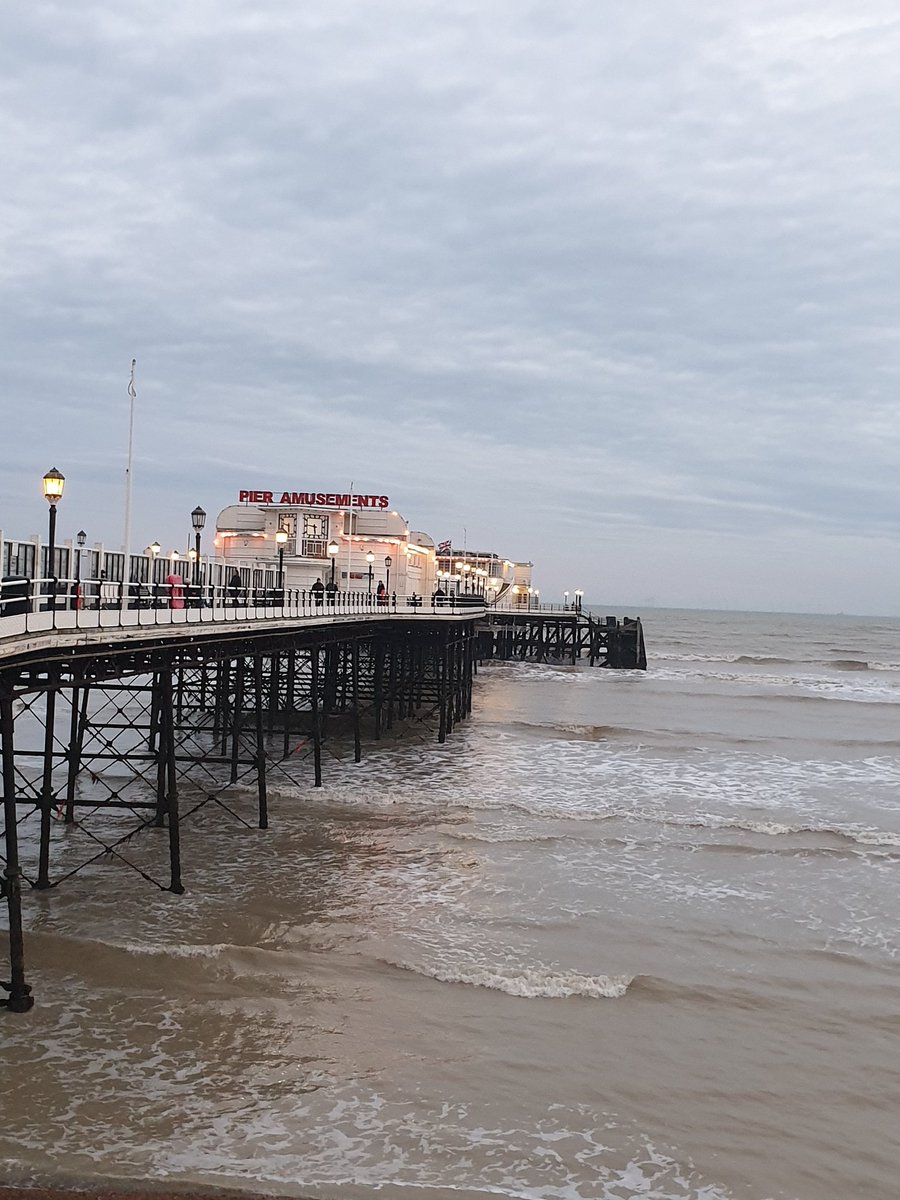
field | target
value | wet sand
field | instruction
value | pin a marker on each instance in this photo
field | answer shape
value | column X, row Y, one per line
column 100, row 1191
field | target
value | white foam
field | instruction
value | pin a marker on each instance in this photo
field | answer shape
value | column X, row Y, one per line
column 180, row 951
column 852, row 833
column 529, row 983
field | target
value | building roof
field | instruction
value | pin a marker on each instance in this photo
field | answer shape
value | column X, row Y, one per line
column 239, row 518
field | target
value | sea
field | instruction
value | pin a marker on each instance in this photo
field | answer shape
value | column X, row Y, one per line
column 625, row 935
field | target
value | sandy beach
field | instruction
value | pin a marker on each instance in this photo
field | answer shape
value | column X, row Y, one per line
column 100, row 1191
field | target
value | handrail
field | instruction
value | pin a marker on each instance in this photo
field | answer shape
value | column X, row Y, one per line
column 30, row 606
column 525, row 609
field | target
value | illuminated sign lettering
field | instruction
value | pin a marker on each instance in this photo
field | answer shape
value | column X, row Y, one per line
column 314, row 499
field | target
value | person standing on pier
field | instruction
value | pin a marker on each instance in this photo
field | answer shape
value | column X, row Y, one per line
column 234, row 586
column 318, row 591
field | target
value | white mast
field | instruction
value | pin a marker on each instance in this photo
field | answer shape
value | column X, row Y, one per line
column 132, row 394
column 350, row 537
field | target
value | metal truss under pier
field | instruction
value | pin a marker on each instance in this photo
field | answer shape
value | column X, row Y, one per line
column 100, row 740
column 563, row 635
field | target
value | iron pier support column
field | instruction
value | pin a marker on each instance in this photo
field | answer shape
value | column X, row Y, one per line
column 167, row 757
column 20, row 998
column 43, row 879
column 274, row 689
column 261, row 742
column 315, row 705
column 354, row 695
column 289, row 702
column 378, row 684
column 237, row 717
column 392, row 683
column 76, row 746
column 442, row 667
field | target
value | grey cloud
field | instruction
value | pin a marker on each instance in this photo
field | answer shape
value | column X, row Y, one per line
column 558, row 273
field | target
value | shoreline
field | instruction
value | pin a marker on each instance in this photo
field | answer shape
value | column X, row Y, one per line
column 119, row 1190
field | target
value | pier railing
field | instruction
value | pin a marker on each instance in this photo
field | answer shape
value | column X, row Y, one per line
column 524, row 609
column 46, row 605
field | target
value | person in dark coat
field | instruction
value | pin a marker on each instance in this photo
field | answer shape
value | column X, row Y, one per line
column 381, row 594
column 318, row 591
column 234, row 587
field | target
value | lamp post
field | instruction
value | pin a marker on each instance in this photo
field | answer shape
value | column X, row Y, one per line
column 198, row 520
column 370, row 558
column 333, row 551
column 565, row 599
column 54, row 483
column 578, row 594
column 281, row 536
column 80, row 538
column 387, row 574
column 154, row 549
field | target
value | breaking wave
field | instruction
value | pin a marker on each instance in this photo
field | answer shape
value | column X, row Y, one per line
column 529, row 983
column 846, row 834
column 763, row 660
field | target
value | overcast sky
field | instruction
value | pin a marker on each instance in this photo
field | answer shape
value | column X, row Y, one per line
column 609, row 286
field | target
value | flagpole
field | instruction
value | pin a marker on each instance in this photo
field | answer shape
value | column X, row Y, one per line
column 350, row 536
column 132, row 394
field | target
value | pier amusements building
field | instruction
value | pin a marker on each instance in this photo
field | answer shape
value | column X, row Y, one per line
column 357, row 540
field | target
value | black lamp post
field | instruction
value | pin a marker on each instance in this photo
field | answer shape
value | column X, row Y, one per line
column 198, row 520
column 54, row 483
column 387, row 574
column 370, row 558
column 80, row 538
column 281, row 536
column 333, row 551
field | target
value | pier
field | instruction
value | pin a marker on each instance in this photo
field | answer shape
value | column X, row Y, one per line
column 547, row 634
column 119, row 719
column 126, row 707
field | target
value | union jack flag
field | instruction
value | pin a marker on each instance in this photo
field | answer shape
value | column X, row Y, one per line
column 444, row 547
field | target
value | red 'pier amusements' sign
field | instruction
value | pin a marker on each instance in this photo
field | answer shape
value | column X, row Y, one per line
column 314, row 499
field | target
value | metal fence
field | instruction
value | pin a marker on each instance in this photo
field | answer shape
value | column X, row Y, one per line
column 43, row 605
